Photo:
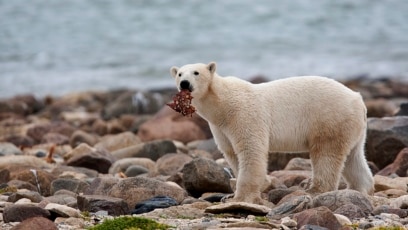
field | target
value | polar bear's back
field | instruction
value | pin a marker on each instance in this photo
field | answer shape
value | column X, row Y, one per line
column 301, row 105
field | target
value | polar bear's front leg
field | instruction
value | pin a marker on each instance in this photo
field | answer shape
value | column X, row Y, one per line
column 224, row 145
column 252, row 173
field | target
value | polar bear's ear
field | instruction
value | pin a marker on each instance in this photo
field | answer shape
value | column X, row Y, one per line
column 173, row 71
column 211, row 67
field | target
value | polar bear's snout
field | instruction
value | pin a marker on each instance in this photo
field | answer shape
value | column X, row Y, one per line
column 184, row 84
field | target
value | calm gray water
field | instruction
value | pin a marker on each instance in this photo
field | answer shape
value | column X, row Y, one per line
column 56, row 46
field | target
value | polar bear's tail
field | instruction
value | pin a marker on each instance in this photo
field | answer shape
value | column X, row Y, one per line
column 356, row 171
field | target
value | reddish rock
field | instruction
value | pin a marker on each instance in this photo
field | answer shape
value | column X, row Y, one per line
column 55, row 138
column 36, row 223
column 37, row 131
column 167, row 124
column 115, row 142
column 399, row 166
column 321, row 216
column 291, row 177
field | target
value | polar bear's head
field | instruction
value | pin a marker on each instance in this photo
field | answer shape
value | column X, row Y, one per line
column 194, row 77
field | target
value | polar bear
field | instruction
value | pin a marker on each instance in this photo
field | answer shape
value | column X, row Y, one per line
column 307, row 113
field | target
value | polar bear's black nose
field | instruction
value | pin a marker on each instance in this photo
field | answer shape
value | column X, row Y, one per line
column 185, row 84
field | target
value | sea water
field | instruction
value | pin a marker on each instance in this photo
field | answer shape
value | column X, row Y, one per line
column 59, row 46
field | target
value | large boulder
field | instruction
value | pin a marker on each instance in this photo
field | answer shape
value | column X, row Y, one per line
column 386, row 137
column 399, row 166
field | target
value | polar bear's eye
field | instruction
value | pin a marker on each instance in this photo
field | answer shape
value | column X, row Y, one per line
column 179, row 74
column 196, row 73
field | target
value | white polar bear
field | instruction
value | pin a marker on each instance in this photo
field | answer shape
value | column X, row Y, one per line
column 309, row 113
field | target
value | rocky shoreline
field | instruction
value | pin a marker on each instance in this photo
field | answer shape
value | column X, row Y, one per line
column 72, row 162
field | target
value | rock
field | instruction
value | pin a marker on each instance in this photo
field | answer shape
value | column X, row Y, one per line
column 118, row 141
column 61, row 169
column 290, row 205
column 55, row 138
column 275, row 195
column 320, row 216
column 136, row 189
column 278, row 161
column 131, row 102
column 101, row 186
column 351, row 211
column 34, row 197
column 153, row 203
column 92, row 158
column 386, row 137
column 21, row 161
column 249, row 208
column 19, row 140
column 335, row 199
column 79, row 137
column 291, row 177
column 22, row 105
column 188, row 211
column 4, row 176
column 153, row 150
column 20, row 212
column 171, row 163
column 400, row 202
column 36, row 223
column 382, row 183
column 62, row 210
column 39, row 178
column 94, row 203
column 37, row 131
column 72, row 222
column 380, row 107
column 22, row 185
column 343, row 220
column 63, row 199
column 136, row 170
column 203, row 175
column 298, row 163
column 399, row 166
column 7, row 148
column 73, row 185
column 123, row 164
column 167, row 124
column 402, row 213
column 403, row 110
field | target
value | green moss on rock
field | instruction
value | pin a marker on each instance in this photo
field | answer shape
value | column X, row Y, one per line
column 130, row 223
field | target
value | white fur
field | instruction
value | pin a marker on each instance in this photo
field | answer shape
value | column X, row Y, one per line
column 308, row 113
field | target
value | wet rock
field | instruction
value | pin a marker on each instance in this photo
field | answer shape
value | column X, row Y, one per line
column 203, row 175
column 320, row 216
column 335, row 199
column 34, row 197
column 61, row 210
column 278, row 161
column 153, row 150
column 298, row 163
column 167, row 124
column 382, row 183
column 237, row 207
column 123, row 164
column 135, row 170
column 79, row 137
column 92, row 158
column 101, row 186
column 291, row 177
column 73, row 185
column 39, row 178
column 171, row 163
column 399, row 166
column 293, row 204
column 20, row 212
column 94, row 203
column 386, row 137
column 7, row 148
column 115, row 142
column 136, row 189
column 153, row 203
column 36, row 223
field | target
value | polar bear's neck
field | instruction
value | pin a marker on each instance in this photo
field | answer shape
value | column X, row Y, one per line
column 222, row 98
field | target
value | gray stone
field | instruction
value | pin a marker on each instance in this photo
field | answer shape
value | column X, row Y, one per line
column 135, row 170
column 292, row 205
column 35, row 223
column 31, row 195
column 101, row 186
column 62, row 210
column 20, row 212
column 7, row 148
column 122, row 164
column 74, row 185
column 88, row 157
column 94, row 203
column 153, row 150
column 321, row 216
